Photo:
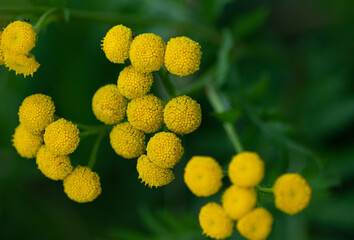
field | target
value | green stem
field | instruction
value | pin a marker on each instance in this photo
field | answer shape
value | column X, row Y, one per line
column 94, row 151
column 216, row 102
column 43, row 20
column 164, row 76
column 264, row 189
column 101, row 129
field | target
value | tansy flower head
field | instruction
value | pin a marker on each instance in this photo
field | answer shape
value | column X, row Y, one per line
column 214, row 221
column 26, row 143
column 146, row 113
column 1, row 54
column 109, row 105
column 18, row 38
column 53, row 166
column 164, row 149
column 36, row 112
column 292, row 193
column 116, row 43
column 21, row 64
column 203, row 176
column 256, row 225
column 152, row 175
column 82, row 185
column 147, row 52
column 238, row 201
column 61, row 137
column 182, row 115
column 182, row 56
column 246, row 169
column 133, row 84
column 127, row 141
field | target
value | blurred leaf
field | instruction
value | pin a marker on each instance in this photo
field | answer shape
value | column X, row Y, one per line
column 230, row 116
column 223, row 59
column 214, row 8
column 151, row 222
column 260, row 88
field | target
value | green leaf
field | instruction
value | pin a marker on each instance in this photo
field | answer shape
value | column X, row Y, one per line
column 230, row 116
column 223, row 60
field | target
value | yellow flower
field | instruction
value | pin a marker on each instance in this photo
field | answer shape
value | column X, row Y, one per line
column 238, row 201
column 246, row 169
column 127, row 141
column 36, row 112
column 82, row 185
column 1, row 54
column 152, row 175
column 256, row 225
column 182, row 115
column 109, row 105
column 26, row 143
column 203, row 176
column 18, row 38
column 146, row 113
column 292, row 193
column 21, row 64
column 214, row 221
column 53, row 166
column 164, row 149
column 62, row 137
column 147, row 52
column 116, row 43
column 133, row 84
column 182, row 56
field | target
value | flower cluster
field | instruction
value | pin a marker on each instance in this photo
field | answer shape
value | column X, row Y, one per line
column 145, row 112
column 16, row 42
column 61, row 138
column 203, row 176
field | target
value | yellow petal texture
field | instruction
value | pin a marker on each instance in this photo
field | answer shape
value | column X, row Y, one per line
column 62, row 137
column 238, row 201
column 108, row 105
column 18, row 38
column 127, row 141
column 292, row 193
column 53, row 166
column 1, row 54
column 165, row 149
column 214, row 221
column 133, row 84
column 21, row 64
column 147, row 52
column 82, row 185
column 152, row 175
column 36, row 112
column 246, row 169
column 182, row 56
column 146, row 113
column 203, row 176
column 116, row 43
column 182, row 115
column 256, row 225
column 26, row 143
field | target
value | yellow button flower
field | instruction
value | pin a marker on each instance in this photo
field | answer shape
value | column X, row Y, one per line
column 182, row 115
column 53, row 166
column 133, row 84
column 238, row 201
column 292, row 193
column 214, row 221
column 246, row 169
column 147, row 52
column 21, row 64
column 152, row 175
column 256, row 225
column 18, row 38
column 1, row 54
column 26, row 143
column 127, row 141
column 116, row 43
column 146, row 113
column 82, row 185
column 164, row 149
column 182, row 56
column 36, row 112
column 203, row 176
column 109, row 105
column 62, row 137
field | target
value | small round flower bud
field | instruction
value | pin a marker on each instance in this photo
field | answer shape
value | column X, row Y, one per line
column 62, row 137
column 26, row 143
column 164, row 149
column 21, row 64
column 109, row 105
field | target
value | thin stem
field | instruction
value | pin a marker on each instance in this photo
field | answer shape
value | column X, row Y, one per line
column 164, row 76
column 216, row 102
column 264, row 189
column 42, row 21
column 94, row 151
column 101, row 129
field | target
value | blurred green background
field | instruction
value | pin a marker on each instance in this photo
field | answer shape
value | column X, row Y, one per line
column 284, row 68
